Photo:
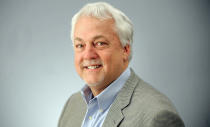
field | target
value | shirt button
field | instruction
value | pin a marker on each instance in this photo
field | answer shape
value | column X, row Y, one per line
column 90, row 117
column 100, row 110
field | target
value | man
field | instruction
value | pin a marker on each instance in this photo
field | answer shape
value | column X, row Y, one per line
column 114, row 96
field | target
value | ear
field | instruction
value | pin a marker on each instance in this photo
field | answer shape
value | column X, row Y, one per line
column 126, row 52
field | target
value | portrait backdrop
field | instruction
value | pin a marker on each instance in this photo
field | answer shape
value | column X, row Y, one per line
column 37, row 74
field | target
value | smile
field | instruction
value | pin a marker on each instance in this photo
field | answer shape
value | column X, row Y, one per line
column 93, row 67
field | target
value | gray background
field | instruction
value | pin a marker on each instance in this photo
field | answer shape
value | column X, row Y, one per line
column 37, row 75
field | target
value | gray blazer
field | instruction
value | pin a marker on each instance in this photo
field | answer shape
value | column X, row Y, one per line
column 137, row 105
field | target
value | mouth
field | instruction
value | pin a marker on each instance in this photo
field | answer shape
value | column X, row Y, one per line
column 93, row 67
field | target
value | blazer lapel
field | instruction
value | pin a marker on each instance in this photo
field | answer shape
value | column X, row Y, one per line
column 115, row 115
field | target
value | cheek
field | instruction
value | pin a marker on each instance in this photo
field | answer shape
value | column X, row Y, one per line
column 108, row 60
column 77, row 60
column 106, row 57
column 116, row 59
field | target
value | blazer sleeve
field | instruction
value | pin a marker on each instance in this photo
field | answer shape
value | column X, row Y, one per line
column 167, row 119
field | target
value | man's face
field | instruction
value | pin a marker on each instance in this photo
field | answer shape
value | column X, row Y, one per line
column 99, row 55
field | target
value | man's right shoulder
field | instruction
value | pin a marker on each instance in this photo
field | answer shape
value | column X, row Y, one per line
column 74, row 101
column 73, row 111
column 76, row 96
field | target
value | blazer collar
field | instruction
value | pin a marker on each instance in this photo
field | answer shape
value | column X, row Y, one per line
column 115, row 115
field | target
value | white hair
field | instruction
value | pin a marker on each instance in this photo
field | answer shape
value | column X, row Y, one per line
column 102, row 10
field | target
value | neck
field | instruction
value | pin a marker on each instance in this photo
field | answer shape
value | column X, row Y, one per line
column 96, row 90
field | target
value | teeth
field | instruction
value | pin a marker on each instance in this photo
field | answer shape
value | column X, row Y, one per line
column 93, row 67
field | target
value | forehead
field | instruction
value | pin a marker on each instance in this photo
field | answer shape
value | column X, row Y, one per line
column 97, row 21
column 86, row 25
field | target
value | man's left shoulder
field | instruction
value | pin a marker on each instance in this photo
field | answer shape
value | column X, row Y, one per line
column 146, row 96
column 150, row 98
column 150, row 107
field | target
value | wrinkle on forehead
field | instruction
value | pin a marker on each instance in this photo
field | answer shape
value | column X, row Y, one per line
column 85, row 27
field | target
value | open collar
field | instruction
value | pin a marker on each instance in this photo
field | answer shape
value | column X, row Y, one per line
column 108, row 95
column 115, row 115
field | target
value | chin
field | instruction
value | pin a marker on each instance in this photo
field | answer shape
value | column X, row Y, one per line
column 95, row 83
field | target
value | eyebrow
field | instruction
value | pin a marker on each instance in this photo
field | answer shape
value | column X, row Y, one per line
column 94, row 38
column 78, row 39
column 98, row 37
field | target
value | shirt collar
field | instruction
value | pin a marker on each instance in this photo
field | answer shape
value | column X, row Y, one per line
column 107, row 96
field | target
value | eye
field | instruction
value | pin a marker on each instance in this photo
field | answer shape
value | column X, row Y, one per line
column 79, row 45
column 100, row 43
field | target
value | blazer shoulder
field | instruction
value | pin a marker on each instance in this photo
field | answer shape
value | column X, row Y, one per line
column 73, row 111
column 151, row 107
column 167, row 119
column 150, row 98
column 74, row 100
column 76, row 96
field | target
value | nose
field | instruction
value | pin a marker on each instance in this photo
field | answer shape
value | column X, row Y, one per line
column 90, row 52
